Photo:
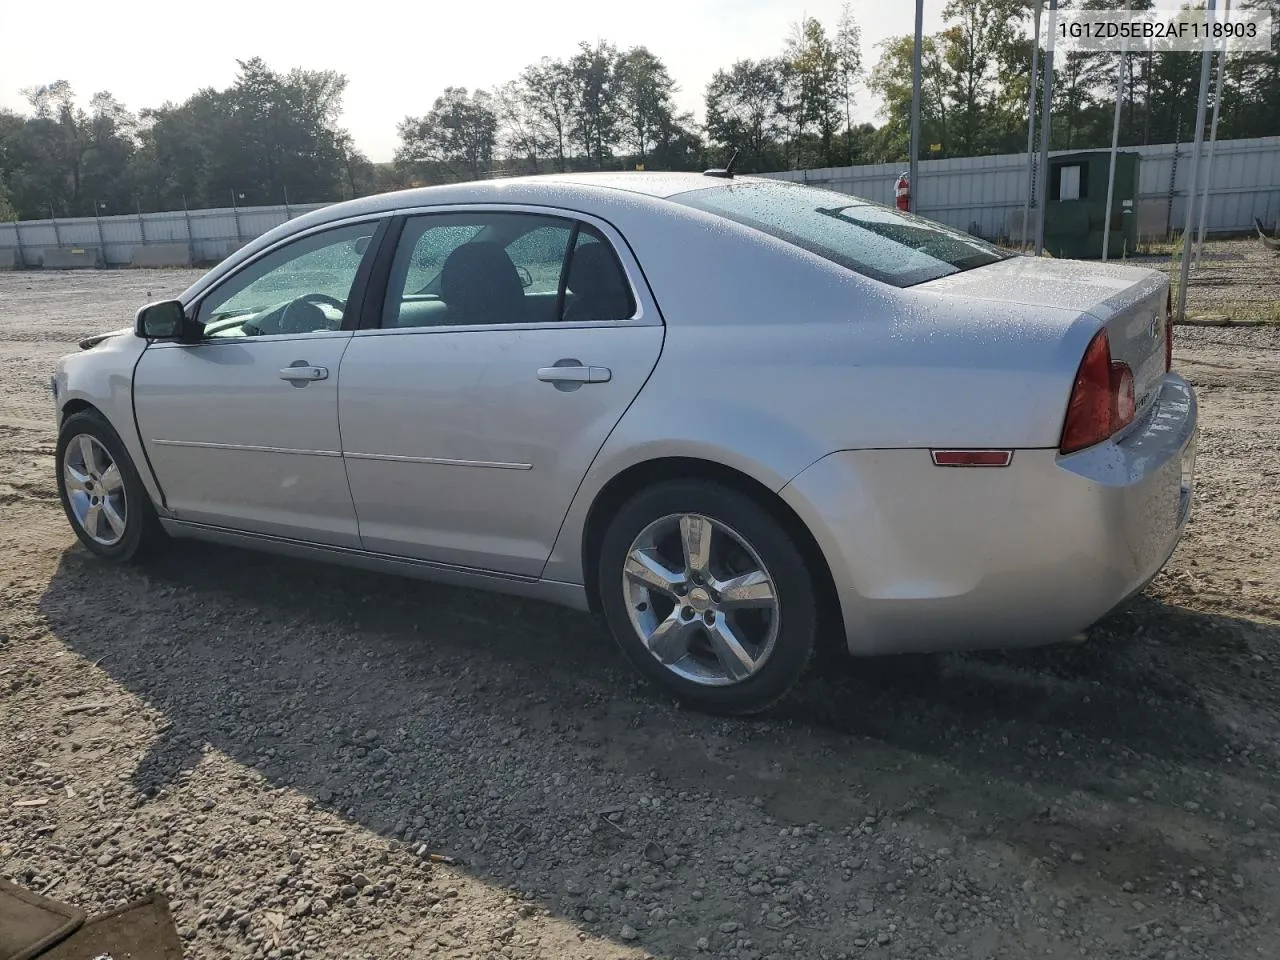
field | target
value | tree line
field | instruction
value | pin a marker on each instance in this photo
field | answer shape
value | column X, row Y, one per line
column 273, row 136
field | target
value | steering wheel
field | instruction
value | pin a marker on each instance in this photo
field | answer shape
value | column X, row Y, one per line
column 301, row 315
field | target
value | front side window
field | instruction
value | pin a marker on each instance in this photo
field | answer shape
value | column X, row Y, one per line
column 880, row 242
column 303, row 287
column 484, row 268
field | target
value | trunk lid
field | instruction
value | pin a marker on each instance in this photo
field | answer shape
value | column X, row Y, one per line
column 1131, row 302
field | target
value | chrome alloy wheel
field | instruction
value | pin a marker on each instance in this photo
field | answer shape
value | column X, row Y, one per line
column 701, row 600
column 95, row 490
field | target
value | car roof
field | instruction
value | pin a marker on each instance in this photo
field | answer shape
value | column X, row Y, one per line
column 584, row 192
column 528, row 189
column 656, row 184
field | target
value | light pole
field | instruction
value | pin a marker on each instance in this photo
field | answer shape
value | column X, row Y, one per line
column 1206, row 56
column 1115, row 139
column 97, row 216
column 1046, row 118
column 916, row 53
column 1031, row 126
column 1213, row 137
column 235, row 213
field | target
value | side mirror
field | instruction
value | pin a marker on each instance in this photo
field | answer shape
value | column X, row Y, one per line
column 165, row 320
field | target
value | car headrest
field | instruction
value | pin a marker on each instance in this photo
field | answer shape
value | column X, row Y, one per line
column 480, row 283
column 599, row 289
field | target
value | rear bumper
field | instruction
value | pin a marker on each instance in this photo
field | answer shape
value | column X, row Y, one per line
column 930, row 558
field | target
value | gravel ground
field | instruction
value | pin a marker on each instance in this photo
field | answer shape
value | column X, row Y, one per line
column 281, row 747
column 1236, row 279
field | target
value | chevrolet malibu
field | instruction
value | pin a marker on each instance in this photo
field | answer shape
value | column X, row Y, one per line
column 732, row 416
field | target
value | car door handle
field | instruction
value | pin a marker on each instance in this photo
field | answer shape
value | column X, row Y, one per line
column 575, row 374
column 302, row 372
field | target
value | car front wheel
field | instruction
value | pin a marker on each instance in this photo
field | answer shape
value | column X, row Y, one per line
column 101, row 491
column 708, row 595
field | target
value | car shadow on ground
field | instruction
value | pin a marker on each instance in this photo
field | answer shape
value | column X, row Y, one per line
column 1143, row 683
column 282, row 664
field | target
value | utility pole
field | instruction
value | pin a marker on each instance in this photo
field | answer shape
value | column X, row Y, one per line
column 1046, row 118
column 191, row 240
column 1206, row 58
column 1115, row 139
column 235, row 212
column 97, row 217
column 916, row 54
column 1213, row 138
column 1031, row 127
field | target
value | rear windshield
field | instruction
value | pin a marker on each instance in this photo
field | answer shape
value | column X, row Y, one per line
column 880, row 242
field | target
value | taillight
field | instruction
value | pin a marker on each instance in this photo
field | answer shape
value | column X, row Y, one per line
column 1168, row 331
column 1122, row 392
column 1102, row 398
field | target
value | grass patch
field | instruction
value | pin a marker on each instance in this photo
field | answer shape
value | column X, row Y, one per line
column 1164, row 247
column 1249, row 311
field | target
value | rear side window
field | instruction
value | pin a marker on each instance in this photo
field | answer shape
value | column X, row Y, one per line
column 595, row 286
column 487, row 267
column 877, row 241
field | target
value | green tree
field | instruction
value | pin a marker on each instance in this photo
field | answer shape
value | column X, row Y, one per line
column 180, row 158
column 524, row 136
column 814, row 89
column 7, row 210
column 848, row 48
column 286, row 133
column 677, row 145
column 1251, row 100
column 744, row 111
column 594, row 101
column 979, row 33
column 645, row 91
column 891, row 80
column 108, row 175
column 546, row 98
column 455, row 139
column 57, row 135
column 269, row 134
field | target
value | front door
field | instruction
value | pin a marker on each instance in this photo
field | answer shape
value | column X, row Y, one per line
column 241, row 428
column 510, row 345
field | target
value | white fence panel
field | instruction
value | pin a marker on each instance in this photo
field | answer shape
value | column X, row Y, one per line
column 210, row 234
column 984, row 193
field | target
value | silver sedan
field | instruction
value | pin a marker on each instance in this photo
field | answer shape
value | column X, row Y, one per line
column 735, row 417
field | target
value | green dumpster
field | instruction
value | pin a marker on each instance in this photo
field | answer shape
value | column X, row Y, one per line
column 1075, row 210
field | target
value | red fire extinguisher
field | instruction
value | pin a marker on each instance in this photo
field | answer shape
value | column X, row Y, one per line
column 902, row 192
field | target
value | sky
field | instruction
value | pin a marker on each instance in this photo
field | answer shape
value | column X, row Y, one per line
column 397, row 56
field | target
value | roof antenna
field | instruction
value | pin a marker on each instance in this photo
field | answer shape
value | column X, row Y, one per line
column 725, row 172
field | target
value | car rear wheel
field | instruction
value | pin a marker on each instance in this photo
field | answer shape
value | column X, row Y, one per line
column 708, row 595
column 101, row 491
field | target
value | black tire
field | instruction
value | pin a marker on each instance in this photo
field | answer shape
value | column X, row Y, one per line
column 142, row 533
column 793, row 584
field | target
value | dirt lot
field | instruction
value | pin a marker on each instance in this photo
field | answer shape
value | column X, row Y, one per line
column 279, row 746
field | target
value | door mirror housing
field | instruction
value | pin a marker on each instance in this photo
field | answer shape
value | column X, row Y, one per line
column 164, row 320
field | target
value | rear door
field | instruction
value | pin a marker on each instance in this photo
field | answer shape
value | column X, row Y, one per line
column 241, row 427
column 508, row 347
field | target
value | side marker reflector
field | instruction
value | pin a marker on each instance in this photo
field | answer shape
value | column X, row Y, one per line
column 971, row 458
